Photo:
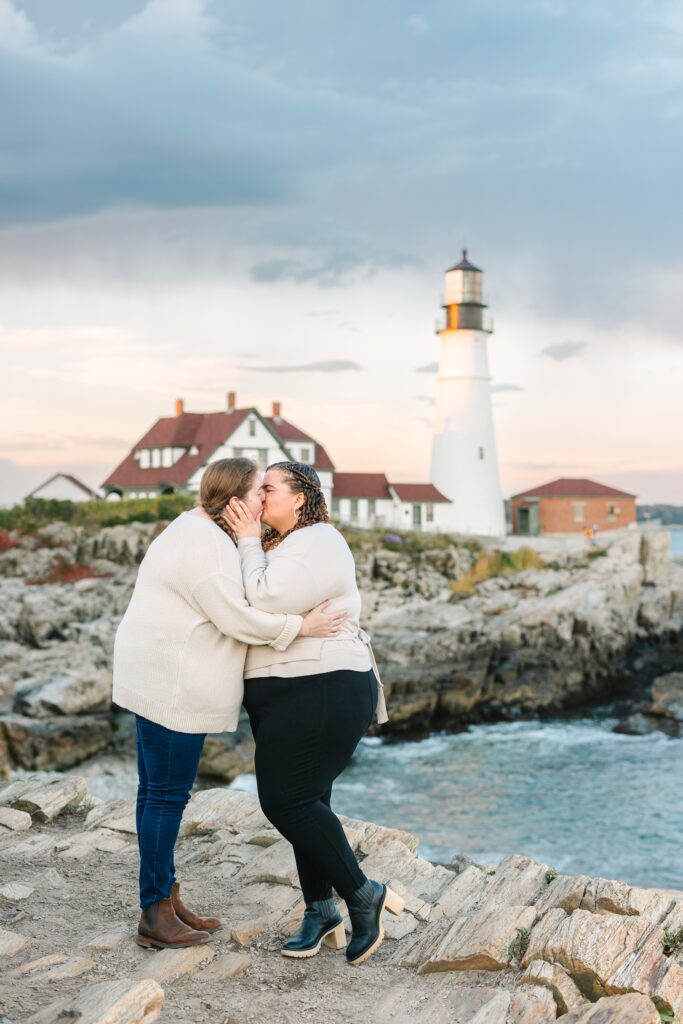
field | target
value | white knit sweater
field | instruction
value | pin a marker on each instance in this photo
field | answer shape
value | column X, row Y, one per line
column 181, row 646
column 310, row 565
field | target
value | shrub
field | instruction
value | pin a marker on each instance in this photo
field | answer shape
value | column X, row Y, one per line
column 496, row 563
column 66, row 572
column 7, row 541
column 519, row 944
column 673, row 941
column 36, row 512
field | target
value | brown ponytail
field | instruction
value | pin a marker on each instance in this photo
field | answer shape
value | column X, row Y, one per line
column 221, row 481
column 303, row 479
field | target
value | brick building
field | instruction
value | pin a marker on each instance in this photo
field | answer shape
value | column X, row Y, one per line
column 571, row 506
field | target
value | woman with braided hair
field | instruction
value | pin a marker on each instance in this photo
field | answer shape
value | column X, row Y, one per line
column 310, row 705
column 179, row 665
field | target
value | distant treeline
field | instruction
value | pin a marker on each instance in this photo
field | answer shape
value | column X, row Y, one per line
column 669, row 515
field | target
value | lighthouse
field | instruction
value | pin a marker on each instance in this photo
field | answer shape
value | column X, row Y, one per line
column 464, row 461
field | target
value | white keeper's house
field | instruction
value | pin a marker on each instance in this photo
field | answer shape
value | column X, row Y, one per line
column 173, row 454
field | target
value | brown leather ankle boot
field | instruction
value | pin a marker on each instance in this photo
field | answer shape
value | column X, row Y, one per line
column 160, row 928
column 204, row 924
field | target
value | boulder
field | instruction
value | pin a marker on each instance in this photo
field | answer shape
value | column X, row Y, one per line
column 45, row 800
column 667, row 696
column 72, row 691
column 131, row 1001
column 49, row 744
column 654, row 556
column 228, row 754
column 628, row 1009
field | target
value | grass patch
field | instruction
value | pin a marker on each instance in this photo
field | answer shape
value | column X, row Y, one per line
column 550, row 875
column 65, row 572
column 665, row 1016
column 673, row 942
column 519, row 944
column 496, row 563
column 599, row 553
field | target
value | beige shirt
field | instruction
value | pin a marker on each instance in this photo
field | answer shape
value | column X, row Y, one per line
column 310, row 565
column 181, row 646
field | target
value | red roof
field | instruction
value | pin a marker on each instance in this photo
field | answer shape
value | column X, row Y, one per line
column 568, row 488
column 360, row 485
column 288, row 432
column 419, row 492
column 207, row 431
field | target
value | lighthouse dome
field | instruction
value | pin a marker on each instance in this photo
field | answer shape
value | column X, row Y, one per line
column 465, row 264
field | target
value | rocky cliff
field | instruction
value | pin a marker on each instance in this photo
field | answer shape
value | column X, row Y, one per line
column 533, row 641
column 513, row 943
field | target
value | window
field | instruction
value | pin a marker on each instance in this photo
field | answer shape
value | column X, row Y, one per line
column 262, row 459
column 579, row 511
column 156, row 457
column 145, row 458
column 613, row 512
column 166, row 457
column 252, row 428
column 335, row 506
column 354, row 509
column 305, row 454
column 237, row 453
column 429, row 512
column 372, row 507
column 417, row 515
column 481, row 453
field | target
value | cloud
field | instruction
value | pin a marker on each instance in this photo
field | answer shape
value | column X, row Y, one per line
column 429, row 368
column 338, row 267
column 564, row 350
column 323, row 366
column 325, row 164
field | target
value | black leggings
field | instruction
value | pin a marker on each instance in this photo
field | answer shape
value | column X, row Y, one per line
column 306, row 730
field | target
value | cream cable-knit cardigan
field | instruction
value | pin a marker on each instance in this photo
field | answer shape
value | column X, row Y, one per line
column 181, row 646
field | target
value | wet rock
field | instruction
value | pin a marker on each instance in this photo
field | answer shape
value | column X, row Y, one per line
column 638, row 724
column 667, row 696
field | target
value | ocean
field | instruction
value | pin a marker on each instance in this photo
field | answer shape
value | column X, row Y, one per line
column 571, row 793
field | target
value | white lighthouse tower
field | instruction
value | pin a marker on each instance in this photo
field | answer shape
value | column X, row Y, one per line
column 464, row 461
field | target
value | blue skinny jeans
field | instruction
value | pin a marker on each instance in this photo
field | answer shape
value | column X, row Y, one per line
column 167, row 768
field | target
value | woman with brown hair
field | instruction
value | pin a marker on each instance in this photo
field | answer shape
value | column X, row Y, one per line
column 310, row 705
column 178, row 665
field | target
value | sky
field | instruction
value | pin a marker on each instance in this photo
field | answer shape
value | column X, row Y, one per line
column 200, row 196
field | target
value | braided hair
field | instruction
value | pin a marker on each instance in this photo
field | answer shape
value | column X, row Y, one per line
column 301, row 479
column 221, row 481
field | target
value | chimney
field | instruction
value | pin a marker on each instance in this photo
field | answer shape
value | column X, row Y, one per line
column 277, row 409
column 179, row 407
column 232, row 401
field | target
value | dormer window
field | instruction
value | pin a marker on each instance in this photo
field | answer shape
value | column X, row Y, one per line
column 252, row 428
column 305, row 454
column 194, row 450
